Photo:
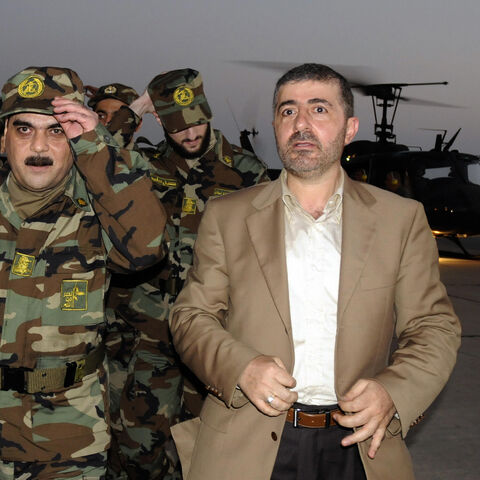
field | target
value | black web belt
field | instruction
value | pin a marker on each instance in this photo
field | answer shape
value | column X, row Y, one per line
column 45, row 380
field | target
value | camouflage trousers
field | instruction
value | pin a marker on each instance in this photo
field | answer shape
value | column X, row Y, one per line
column 145, row 400
column 90, row 467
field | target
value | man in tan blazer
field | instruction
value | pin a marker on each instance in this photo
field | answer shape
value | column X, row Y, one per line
column 297, row 290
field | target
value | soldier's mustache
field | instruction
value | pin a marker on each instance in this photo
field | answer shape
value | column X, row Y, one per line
column 305, row 136
column 38, row 161
column 185, row 140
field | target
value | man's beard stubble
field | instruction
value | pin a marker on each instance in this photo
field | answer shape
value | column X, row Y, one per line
column 182, row 152
column 310, row 164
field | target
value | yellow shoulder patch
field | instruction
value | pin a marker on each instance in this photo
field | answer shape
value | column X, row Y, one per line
column 74, row 294
column 33, row 86
column 183, row 96
column 23, row 264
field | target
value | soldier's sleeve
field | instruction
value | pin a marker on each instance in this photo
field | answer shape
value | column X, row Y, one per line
column 123, row 125
column 122, row 195
column 250, row 166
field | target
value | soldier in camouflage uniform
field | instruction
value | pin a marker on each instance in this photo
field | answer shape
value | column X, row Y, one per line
column 72, row 207
column 109, row 98
column 193, row 164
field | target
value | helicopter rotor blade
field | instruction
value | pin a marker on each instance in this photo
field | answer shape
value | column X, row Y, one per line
column 355, row 74
column 446, row 148
column 428, row 103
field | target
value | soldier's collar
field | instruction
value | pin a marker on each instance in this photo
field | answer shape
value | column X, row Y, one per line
column 6, row 206
column 77, row 190
column 223, row 150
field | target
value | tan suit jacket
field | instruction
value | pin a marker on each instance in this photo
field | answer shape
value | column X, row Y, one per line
column 235, row 306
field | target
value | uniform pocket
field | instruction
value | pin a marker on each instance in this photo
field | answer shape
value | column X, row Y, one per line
column 74, row 286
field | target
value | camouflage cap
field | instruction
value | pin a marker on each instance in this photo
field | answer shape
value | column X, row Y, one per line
column 33, row 89
column 179, row 99
column 117, row 91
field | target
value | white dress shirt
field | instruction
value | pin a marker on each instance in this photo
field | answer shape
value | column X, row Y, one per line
column 313, row 252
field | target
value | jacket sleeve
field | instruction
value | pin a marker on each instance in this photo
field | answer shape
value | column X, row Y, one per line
column 427, row 329
column 199, row 318
column 123, row 125
column 122, row 195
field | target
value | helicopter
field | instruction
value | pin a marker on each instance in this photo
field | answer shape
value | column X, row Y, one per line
column 445, row 181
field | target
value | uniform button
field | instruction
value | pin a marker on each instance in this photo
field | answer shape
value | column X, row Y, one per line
column 274, row 436
column 106, row 138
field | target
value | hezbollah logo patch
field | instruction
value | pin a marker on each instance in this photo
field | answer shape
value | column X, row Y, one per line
column 23, row 264
column 183, row 96
column 31, row 87
column 74, row 294
column 189, row 205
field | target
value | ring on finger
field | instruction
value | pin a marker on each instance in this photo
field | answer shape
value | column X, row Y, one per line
column 270, row 399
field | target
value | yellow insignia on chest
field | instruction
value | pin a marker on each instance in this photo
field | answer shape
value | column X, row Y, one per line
column 228, row 160
column 219, row 192
column 81, row 202
column 164, row 182
column 183, row 96
column 23, row 264
column 31, row 87
column 189, row 205
column 74, row 294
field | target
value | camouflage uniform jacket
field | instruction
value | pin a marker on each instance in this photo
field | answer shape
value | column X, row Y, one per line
column 184, row 189
column 53, row 278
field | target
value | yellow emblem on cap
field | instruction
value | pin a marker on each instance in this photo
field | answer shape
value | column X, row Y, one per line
column 189, row 206
column 74, row 294
column 110, row 89
column 183, row 96
column 31, row 87
column 23, row 264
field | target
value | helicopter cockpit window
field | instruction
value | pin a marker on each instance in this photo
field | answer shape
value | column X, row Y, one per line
column 473, row 173
column 439, row 172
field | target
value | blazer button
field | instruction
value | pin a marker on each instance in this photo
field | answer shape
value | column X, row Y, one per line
column 274, row 436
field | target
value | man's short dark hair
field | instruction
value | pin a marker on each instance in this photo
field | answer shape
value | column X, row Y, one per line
column 320, row 73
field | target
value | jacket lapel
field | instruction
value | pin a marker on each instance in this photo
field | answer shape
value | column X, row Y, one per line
column 267, row 232
column 358, row 231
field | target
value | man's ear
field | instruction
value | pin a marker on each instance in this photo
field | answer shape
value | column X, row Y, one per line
column 2, row 140
column 351, row 130
column 157, row 118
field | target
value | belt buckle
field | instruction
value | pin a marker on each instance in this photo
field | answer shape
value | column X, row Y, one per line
column 295, row 417
column 14, row 378
column 74, row 373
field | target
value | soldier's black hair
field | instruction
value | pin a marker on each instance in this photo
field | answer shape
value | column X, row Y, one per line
column 321, row 73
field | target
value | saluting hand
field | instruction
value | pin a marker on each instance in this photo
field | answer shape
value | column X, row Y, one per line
column 73, row 117
column 267, row 385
